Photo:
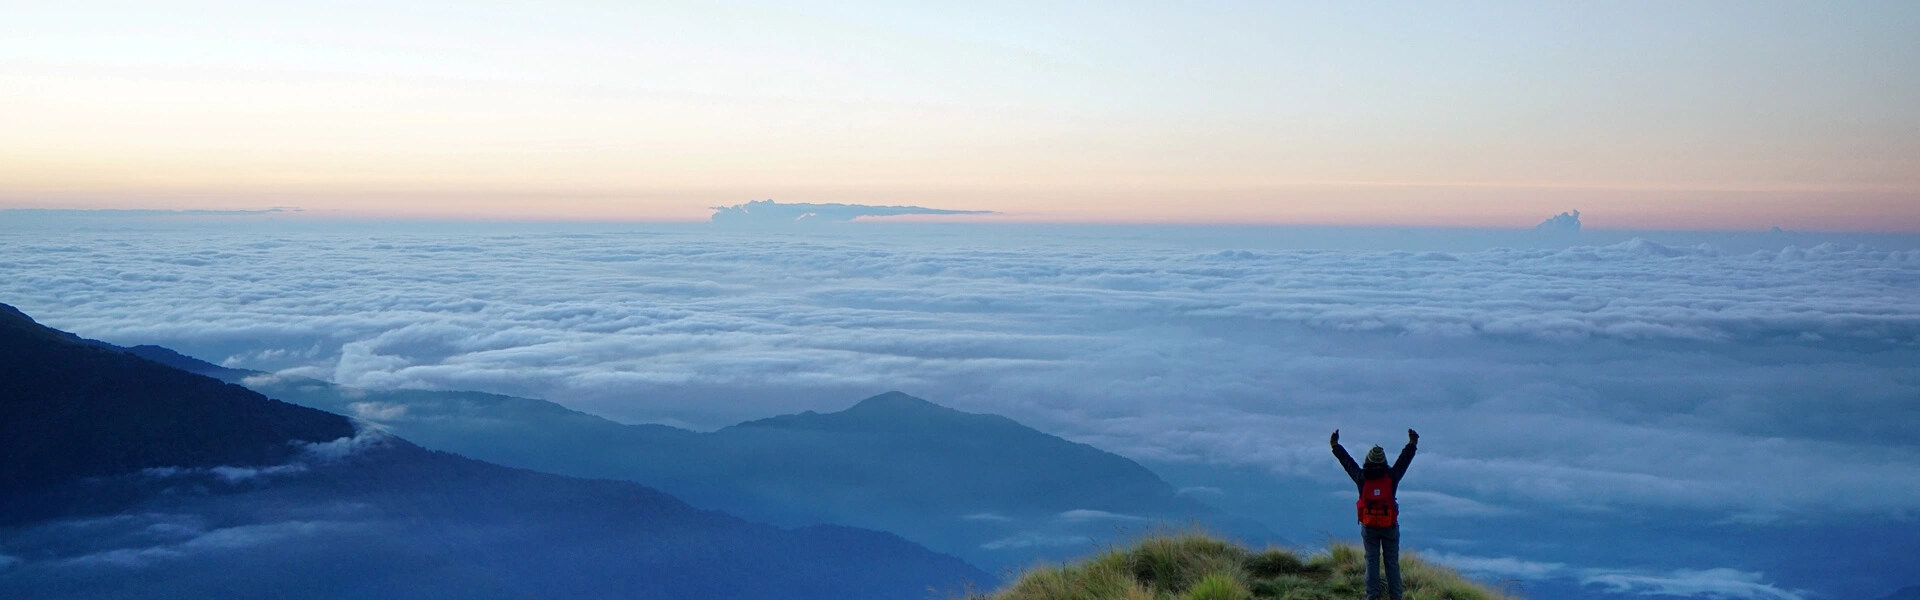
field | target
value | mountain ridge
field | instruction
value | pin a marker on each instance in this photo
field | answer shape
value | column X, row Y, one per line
column 51, row 430
column 981, row 486
column 402, row 520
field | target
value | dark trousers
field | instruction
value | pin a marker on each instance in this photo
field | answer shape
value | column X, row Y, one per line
column 1382, row 543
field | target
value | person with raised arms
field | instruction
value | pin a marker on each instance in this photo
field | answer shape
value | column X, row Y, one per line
column 1378, row 510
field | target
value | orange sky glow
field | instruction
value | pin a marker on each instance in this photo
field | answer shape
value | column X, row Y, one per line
column 1709, row 118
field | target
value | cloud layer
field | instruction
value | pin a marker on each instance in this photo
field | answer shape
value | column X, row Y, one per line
column 1560, row 375
column 1755, row 387
column 1719, row 584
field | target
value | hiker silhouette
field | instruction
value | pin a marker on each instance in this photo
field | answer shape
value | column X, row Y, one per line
column 1378, row 510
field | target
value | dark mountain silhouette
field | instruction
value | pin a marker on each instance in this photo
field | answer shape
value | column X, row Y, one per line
column 769, row 213
column 70, row 410
column 168, row 357
column 983, row 487
column 130, row 479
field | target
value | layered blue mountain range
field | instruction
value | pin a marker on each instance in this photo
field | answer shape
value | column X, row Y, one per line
column 121, row 477
column 984, row 487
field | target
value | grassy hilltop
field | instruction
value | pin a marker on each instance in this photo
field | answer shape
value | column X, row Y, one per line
column 1198, row 567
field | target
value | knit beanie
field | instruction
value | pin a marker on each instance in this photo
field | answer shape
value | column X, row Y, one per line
column 1377, row 456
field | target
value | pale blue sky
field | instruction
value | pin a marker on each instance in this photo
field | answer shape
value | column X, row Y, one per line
column 1701, row 114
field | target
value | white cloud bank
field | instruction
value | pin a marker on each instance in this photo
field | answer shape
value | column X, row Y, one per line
column 1720, row 583
column 1035, row 540
column 367, row 436
column 1687, row 583
column 1633, row 374
column 155, row 539
column 225, row 539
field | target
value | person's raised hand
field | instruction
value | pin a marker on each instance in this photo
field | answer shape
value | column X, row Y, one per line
column 1413, row 437
column 1335, row 440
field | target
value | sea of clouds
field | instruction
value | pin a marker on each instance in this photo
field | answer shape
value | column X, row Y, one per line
column 1757, row 384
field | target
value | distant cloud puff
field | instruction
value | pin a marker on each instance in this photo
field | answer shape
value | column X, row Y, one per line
column 1081, row 514
column 1037, row 540
column 768, row 212
column 1445, row 504
column 238, row 474
column 378, row 411
column 1566, row 222
column 190, row 539
column 988, row 517
column 367, row 437
column 1504, row 567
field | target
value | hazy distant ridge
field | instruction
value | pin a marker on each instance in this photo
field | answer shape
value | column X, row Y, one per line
column 122, row 477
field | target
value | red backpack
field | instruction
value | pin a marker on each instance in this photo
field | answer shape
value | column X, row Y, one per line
column 1377, row 507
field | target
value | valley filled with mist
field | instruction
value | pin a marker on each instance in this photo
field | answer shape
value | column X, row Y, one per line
column 1605, row 414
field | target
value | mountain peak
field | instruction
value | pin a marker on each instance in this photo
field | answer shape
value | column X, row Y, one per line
column 894, row 402
column 132, row 413
column 12, row 319
column 889, row 412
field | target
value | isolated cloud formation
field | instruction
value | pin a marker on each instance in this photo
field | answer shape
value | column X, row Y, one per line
column 194, row 540
column 1500, row 567
column 1035, row 540
column 1081, row 515
column 367, row 436
column 768, row 212
column 156, row 539
column 1566, row 222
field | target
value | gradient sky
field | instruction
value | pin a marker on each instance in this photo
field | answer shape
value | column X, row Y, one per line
column 1713, row 115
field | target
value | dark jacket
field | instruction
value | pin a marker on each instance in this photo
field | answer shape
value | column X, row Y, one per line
column 1360, row 474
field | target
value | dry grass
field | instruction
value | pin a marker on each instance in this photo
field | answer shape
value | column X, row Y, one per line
column 1194, row 566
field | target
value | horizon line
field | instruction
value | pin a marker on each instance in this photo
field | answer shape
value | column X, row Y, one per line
column 995, row 218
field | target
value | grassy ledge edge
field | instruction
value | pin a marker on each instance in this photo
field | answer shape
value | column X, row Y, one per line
column 1197, row 566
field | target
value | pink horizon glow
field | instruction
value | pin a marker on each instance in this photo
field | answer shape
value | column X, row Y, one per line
column 1370, row 206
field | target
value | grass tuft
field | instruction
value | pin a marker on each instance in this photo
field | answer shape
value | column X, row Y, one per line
column 1218, row 586
column 1173, row 563
column 1193, row 566
column 1275, row 562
